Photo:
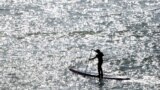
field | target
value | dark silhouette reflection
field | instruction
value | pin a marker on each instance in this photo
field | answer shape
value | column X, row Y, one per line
column 101, row 84
column 100, row 62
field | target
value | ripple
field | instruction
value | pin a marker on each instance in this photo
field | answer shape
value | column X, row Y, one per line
column 40, row 40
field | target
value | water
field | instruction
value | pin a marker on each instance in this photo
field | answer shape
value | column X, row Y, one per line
column 40, row 39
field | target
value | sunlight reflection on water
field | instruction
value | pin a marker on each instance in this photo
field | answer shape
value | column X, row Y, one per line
column 41, row 40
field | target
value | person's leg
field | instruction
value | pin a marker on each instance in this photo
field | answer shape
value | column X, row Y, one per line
column 99, row 71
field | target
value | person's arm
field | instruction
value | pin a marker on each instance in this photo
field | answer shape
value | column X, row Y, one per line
column 93, row 58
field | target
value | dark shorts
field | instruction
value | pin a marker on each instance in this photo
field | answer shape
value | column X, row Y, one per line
column 99, row 64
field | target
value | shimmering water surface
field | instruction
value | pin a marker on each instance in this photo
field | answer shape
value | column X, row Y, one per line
column 41, row 39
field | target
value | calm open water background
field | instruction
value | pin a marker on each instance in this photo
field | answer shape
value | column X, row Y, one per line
column 40, row 39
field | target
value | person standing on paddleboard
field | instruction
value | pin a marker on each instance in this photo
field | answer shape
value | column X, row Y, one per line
column 100, row 62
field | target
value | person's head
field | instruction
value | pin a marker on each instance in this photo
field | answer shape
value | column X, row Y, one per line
column 97, row 51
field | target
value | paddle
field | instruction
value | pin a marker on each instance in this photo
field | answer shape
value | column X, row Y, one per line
column 88, row 59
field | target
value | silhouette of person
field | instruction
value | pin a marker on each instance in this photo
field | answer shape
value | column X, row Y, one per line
column 100, row 62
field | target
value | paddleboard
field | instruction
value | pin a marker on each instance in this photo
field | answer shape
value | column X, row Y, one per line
column 96, row 75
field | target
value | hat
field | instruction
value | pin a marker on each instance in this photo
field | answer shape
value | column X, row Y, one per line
column 97, row 50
